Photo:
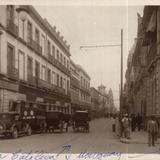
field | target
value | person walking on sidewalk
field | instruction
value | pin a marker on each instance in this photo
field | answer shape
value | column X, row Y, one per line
column 118, row 129
column 126, row 126
column 152, row 129
column 133, row 122
column 139, row 121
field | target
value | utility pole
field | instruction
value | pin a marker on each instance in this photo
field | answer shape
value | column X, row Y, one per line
column 121, row 71
column 121, row 91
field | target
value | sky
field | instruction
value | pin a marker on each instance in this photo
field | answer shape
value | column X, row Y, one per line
column 96, row 25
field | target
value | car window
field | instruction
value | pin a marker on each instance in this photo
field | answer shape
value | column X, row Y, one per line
column 5, row 116
column 16, row 117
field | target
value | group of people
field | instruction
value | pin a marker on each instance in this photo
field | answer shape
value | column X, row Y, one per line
column 124, row 124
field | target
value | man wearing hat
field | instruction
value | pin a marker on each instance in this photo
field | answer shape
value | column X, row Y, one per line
column 152, row 129
column 126, row 125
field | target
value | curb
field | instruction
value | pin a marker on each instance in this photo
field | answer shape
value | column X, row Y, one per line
column 133, row 141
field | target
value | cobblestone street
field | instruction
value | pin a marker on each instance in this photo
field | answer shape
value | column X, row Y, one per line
column 100, row 139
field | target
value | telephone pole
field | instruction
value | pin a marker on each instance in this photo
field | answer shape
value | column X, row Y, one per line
column 121, row 71
column 121, row 92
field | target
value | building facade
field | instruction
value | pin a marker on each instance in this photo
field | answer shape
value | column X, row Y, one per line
column 34, row 60
column 75, row 87
column 146, row 64
column 84, row 92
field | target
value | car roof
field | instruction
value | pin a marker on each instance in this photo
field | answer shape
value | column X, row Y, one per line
column 81, row 111
column 54, row 112
column 13, row 112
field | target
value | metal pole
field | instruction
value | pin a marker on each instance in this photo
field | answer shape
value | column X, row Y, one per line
column 121, row 93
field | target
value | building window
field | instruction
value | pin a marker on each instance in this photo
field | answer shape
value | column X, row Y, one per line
column 10, row 58
column 10, row 13
column 43, row 44
column 64, row 61
column 29, row 32
column 57, row 79
column 37, row 70
column 53, row 77
column 68, row 85
column 57, row 55
column 49, row 47
column 67, row 64
column 61, row 82
column 21, row 65
column 64, row 84
column 61, row 58
column 43, row 72
column 53, row 51
column 29, row 67
column 37, row 35
column 49, row 76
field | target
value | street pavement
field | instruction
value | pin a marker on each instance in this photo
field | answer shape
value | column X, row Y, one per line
column 99, row 139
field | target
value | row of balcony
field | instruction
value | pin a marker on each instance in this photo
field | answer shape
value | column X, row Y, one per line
column 58, row 64
column 43, row 84
column 85, row 89
column 12, row 73
column 35, row 46
column 75, row 82
column 13, row 29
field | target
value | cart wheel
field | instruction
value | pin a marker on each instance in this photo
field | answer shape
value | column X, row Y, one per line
column 29, row 131
column 15, row 133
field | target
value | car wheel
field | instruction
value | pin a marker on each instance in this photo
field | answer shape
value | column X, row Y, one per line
column 29, row 131
column 15, row 133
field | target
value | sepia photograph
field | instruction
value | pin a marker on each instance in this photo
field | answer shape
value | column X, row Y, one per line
column 79, row 80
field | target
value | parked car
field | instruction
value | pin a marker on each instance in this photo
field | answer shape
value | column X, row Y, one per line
column 12, row 125
column 81, row 121
column 54, row 121
column 31, row 113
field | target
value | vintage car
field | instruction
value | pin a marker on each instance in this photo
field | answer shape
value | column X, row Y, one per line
column 81, row 121
column 12, row 125
column 54, row 121
column 31, row 113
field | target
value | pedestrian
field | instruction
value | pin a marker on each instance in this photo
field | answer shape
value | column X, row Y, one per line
column 139, row 121
column 133, row 122
column 113, row 122
column 126, row 126
column 152, row 129
column 118, row 125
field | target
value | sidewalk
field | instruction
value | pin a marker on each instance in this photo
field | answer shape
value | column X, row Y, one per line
column 138, row 138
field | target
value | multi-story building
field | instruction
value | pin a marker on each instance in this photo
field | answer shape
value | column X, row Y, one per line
column 103, row 98
column 75, row 87
column 84, row 94
column 34, row 60
column 106, row 100
column 146, row 64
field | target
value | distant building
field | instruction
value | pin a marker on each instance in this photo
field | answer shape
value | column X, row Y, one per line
column 143, row 90
column 106, row 100
column 75, row 87
column 84, row 94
